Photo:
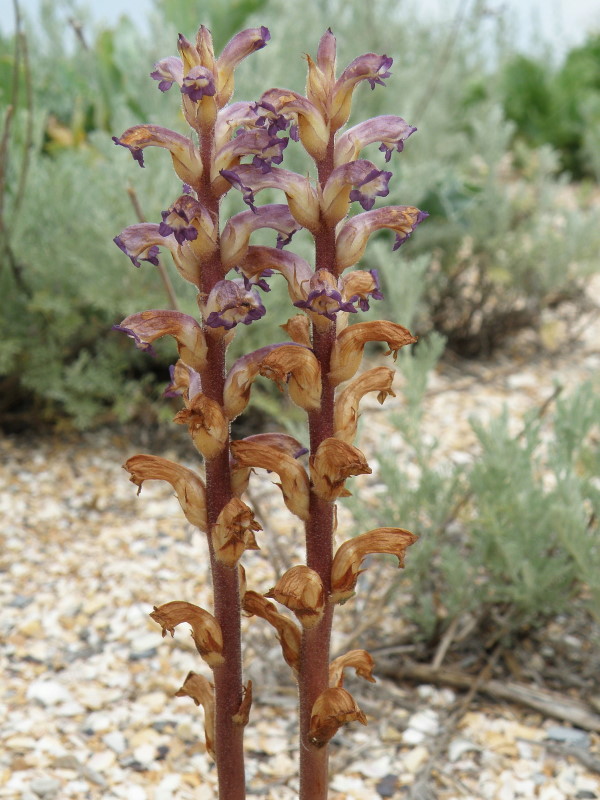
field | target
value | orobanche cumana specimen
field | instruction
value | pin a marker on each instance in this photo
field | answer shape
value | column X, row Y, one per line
column 234, row 146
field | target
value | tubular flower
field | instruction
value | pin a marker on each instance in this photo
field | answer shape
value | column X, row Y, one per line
column 349, row 344
column 294, row 480
column 233, row 532
column 230, row 303
column 369, row 181
column 294, row 268
column 140, row 242
column 188, row 486
column 198, row 83
column 301, row 590
column 236, row 233
column 347, row 561
column 266, row 149
column 187, row 161
column 266, row 116
column 296, row 366
column 147, row 326
column 345, row 420
column 206, row 631
column 359, row 285
column 352, row 239
column 333, row 462
column 282, row 442
column 362, row 662
column 333, row 708
column 312, row 126
column 297, row 328
column 192, row 225
column 301, row 196
column 202, row 693
column 239, row 380
column 288, row 632
column 238, row 48
column 368, row 67
column 391, row 131
column 206, row 423
column 237, row 115
column 168, row 71
column 323, row 299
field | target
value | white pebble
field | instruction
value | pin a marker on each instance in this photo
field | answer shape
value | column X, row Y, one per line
column 48, row 693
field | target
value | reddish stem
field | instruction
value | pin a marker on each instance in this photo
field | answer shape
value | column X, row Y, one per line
column 313, row 677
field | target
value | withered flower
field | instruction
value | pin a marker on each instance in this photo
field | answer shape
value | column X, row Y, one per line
column 348, row 559
column 206, row 423
column 206, row 631
column 349, row 345
column 301, row 590
column 296, row 366
column 362, row 662
column 298, row 329
column 294, row 480
column 282, row 442
column 333, row 462
column 233, row 532
column 288, row 632
column 346, row 414
column 333, row 708
column 202, row 693
column 188, row 486
column 242, row 715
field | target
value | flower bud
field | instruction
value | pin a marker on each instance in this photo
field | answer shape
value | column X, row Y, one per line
column 346, row 414
column 206, row 631
column 332, row 463
column 362, row 662
column 206, row 423
column 237, row 48
column 333, row 708
column 288, row 632
column 233, row 532
column 188, row 486
column 301, row 590
column 298, row 329
column 294, row 480
column 202, row 693
column 348, row 347
column 347, row 561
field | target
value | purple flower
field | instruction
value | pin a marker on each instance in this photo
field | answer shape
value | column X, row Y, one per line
column 187, row 162
column 236, row 233
column 234, row 180
column 135, row 151
column 390, row 130
column 374, row 185
column 359, row 286
column 230, row 303
column 324, row 298
column 140, row 243
column 146, row 347
column 198, row 83
column 168, row 71
column 402, row 236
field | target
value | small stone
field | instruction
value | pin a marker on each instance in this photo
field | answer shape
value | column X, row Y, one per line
column 48, row 693
column 66, row 762
column 458, row 747
column 45, row 787
column 415, row 758
column 116, row 741
column 571, row 736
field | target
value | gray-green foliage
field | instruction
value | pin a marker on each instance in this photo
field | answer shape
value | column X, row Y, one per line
column 514, row 536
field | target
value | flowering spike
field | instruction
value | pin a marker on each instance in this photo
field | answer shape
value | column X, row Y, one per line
column 233, row 532
column 202, row 693
column 378, row 379
column 362, row 662
column 288, row 633
column 333, row 708
column 348, row 348
column 349, row 557
column 206, row 631
column 189, row 487
column 333, row 462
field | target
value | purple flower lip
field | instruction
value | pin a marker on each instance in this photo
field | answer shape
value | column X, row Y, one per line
column 136, row 152
column 198, row 83
column 235, row 180
column 400, row 239
column 151, row 255
column 382, row 72
column 327, row 302
column 145, row 346
column 378, row 178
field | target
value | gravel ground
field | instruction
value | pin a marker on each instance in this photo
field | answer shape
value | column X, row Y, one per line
column 86, row 704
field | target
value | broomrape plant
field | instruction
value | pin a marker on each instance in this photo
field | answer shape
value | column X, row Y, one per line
column 237, row 146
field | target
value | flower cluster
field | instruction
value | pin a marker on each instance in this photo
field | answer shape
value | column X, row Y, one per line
column 239, row 146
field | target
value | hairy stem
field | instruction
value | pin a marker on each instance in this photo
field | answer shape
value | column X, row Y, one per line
column 313, row 677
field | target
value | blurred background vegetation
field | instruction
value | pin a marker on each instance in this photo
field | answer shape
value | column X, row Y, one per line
column 506, row 161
